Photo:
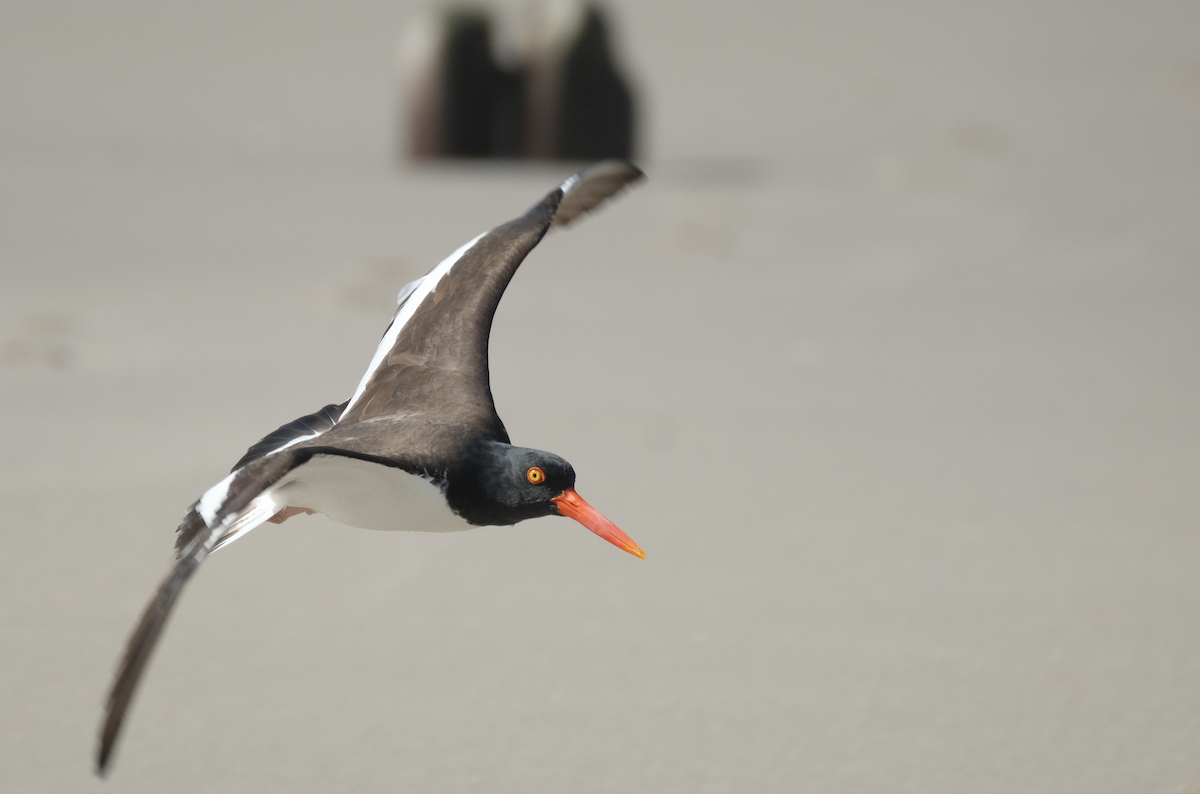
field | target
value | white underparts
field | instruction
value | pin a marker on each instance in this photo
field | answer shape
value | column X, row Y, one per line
column 356, row 493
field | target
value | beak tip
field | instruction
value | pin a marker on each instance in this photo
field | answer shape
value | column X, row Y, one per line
column 571, row 505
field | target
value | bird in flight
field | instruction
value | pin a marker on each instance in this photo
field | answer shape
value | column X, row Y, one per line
column 418, row 446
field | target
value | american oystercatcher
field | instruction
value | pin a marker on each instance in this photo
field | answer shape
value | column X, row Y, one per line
column 418, row 446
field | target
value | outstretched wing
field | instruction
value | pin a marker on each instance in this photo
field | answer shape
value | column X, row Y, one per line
column 237, row 503
column 423, row 346
column 437, row 344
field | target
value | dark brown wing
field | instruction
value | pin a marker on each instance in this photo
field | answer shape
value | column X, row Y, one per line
column 428, row 385
column 141, row 645
column 203, row 526
column 439, row 337
column 305, row 427
column 589, row 189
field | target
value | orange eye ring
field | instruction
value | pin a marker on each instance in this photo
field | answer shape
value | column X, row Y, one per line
column 535, row 475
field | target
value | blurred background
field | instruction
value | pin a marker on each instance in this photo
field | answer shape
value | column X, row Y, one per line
column 891, row 367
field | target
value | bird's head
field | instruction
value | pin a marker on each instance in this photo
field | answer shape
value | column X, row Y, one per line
column 506, row 484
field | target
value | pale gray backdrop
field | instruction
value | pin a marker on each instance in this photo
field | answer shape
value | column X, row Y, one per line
column 892, row 367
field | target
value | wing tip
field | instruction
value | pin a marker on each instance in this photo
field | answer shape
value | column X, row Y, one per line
column 585, row 191
column 103, row 756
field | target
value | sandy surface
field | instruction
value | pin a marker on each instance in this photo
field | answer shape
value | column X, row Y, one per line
column 892, row 368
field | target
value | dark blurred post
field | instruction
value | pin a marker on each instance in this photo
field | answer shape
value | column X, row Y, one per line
column 460, row 102
column 566, row 101
column 578, row 105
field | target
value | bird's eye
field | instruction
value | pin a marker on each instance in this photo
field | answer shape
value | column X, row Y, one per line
column 535, row 475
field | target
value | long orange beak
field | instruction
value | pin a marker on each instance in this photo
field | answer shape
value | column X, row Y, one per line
column 571, row 505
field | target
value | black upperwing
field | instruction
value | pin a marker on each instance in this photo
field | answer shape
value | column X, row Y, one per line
column 428, row 385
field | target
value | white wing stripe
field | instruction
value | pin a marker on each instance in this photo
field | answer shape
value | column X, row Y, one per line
column 296, row 440
column 215, row 497
column 212, row 500
column 570, row 182
column 258, row 511
column 421, row 288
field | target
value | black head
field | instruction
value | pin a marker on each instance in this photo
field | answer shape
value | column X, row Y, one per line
column 499, row 484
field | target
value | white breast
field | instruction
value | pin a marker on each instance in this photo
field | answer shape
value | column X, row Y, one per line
column 367, row 495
